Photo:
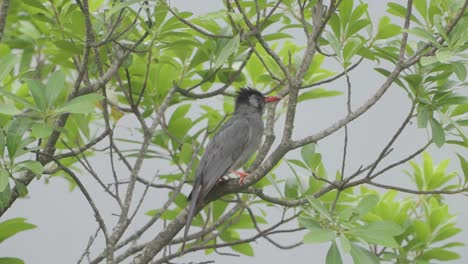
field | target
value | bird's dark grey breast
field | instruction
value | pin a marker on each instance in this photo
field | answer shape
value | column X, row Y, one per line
column 255, row 133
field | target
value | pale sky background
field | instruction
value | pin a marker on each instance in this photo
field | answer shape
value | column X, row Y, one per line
column 65, row 220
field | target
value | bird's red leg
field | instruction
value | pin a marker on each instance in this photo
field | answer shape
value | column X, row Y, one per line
column 241, row 175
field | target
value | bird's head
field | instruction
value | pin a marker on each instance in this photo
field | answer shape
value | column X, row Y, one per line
column 248, row 97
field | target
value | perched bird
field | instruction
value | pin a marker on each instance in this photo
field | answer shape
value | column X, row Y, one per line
column 230, row 148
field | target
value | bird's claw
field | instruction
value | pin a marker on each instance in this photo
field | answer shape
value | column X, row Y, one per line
column 242, row 176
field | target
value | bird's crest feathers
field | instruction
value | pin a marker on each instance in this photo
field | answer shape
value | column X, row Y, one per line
column 246, row 95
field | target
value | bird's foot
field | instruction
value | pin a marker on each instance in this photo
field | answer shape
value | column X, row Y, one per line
column 241, row 175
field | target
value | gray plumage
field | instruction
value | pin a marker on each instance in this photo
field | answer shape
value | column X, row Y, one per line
column 230, row 148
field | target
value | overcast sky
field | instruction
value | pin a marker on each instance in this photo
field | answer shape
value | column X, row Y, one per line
column 65, row 221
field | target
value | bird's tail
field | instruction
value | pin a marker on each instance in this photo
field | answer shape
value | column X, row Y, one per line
column 194, row 197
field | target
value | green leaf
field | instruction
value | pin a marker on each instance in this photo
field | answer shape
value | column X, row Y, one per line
column 427, row 60
column 290, row 188
column 317, row 205
column 345, row 244
column 2, row 143
column 319, row 236
column 317, row 93
column 41, row 130
column 334, row 43
column 380, row 233
column 7, row 63
column 122, row 5
column 37, row 90
column 440, row 254
column 11, row 261
column 227, row 51
column 333, row 255
column 421, row 6
column 306, row 221
column 423, row 117
column 307, row 153
column 81, row 105
column 32, row 166
column 464, row 166
column 362, row 255
column 54, row 87
column 366, row 204
column 245, row 249
column 18, row 99
column 4, row 179
column 297, row 163
column 438, row 134
column 443, row 55
column 460, row 70
column 186, row 153
column 9, row 110
column 13, row 226
column 15, row 134
column 352, row 46
column 5, row 197
column 426, row 35
column 21, row 189
column 386, row 29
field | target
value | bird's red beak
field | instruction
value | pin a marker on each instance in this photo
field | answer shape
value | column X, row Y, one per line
column 270, row 99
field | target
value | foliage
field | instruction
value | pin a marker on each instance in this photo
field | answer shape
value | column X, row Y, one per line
column 72, row 71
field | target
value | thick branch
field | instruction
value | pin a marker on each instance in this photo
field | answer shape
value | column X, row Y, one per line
column 3, row 16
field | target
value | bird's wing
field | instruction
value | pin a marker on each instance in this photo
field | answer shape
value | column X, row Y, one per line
column 223, row 151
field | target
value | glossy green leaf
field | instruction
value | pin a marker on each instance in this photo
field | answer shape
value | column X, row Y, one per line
column 4, row 179
column 21, row 189
column 440, row 254
column 438, row 134
column 319, row 236
column 421, row 7
column 380, row 233
column 362, row 255
column 307, row 153
column 291, row 188
column 9, row 109
column 352, row 46
column 7, row 63
column 41, row 130
column 423, row 117
column 245, row 249
column 345, row 244
column 2, row 143
column 386, row 29
column 15, row 134
column 333, row 255
column 425, row 35
column 11, row 261
column 307, row 222
column 443, row 55
column 118, row 7
column 13, row 226
column 464, row 166
column 318, row 206
column 81, row 105
column 366, row 204
column 226, row 51
column 54, row 87
column 38, row 92
column 32, row 166
column 5, row 196
column 318, row 93
column 460, row 70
